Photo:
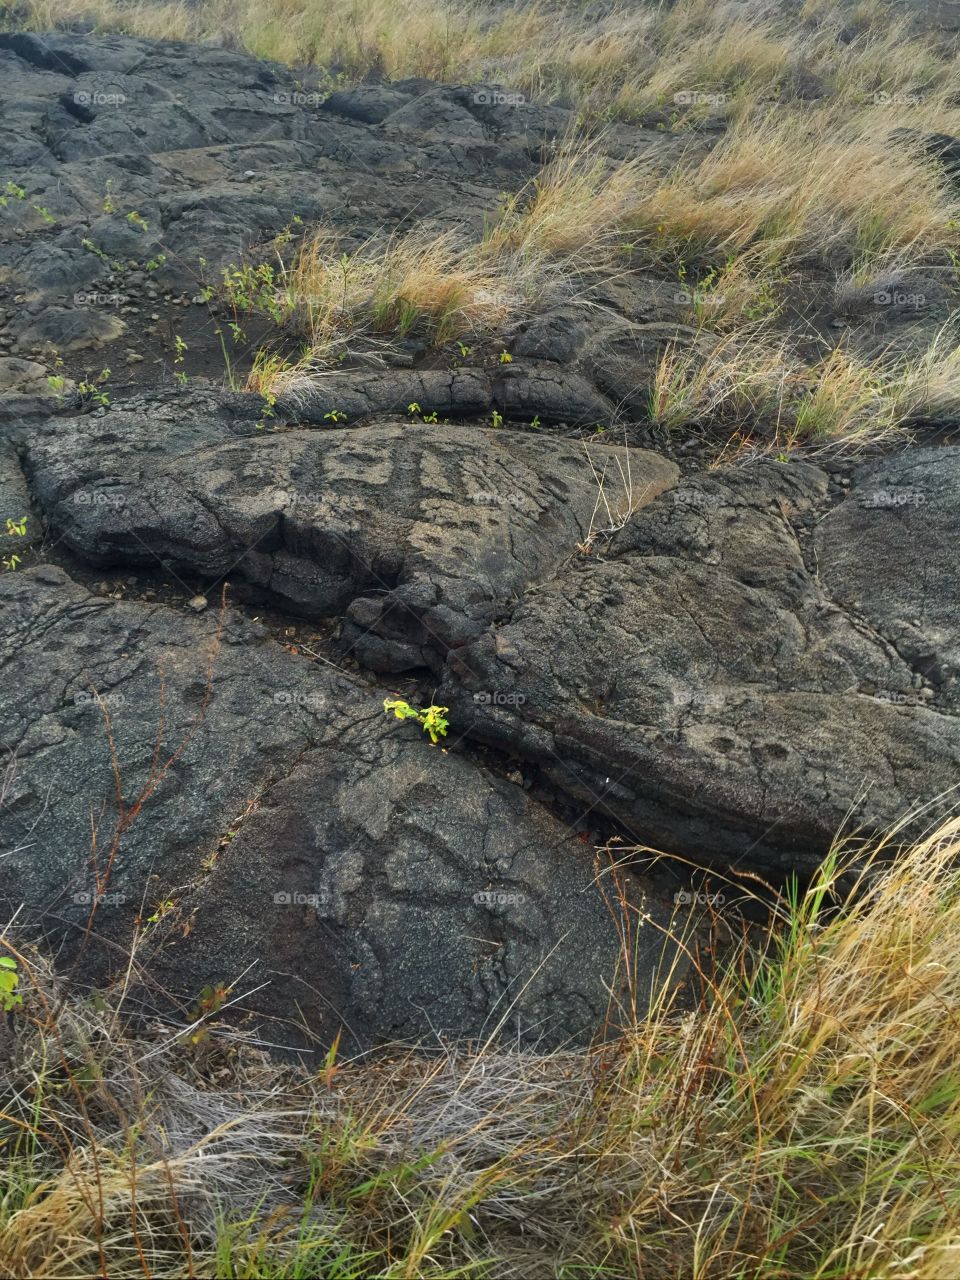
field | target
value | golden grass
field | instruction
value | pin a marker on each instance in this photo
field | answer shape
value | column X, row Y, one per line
column 621, row 61
column 761, row 393
column 808, row 175
column 542, row 242
column 800, row 186
column 408, row 282
column 577, row 208
column 802, row 1119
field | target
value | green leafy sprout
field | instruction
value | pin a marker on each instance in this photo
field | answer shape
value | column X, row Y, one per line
column 432, row 719
column 9, row 981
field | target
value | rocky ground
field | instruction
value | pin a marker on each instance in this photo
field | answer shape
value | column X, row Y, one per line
column 637, row 648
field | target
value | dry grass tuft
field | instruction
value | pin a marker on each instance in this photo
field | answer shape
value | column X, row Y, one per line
column 800, row 187
column 802, row 1119
column 819, row 167
column 758, row 390
column 541, row 244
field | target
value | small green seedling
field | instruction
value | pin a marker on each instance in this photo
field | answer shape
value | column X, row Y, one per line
column 56, row 382
column 335, row 415
column 15, row 529
column 137, row 220
column 496, row 419
column 95, row 392
column 269, row 405
column 46, row 215
column 162, row 909
column 12, row 190
column 286, row 235
column 426, row 417
column 431, row 719
column 9, row 981
column 506, row 357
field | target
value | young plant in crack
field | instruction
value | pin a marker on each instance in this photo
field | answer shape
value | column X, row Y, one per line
column 432, row 719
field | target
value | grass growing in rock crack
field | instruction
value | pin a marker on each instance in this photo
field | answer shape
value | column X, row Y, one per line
column 763, row 204
column 540, row 245
column 802, row 1119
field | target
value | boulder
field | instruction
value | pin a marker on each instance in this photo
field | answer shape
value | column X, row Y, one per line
column 183, row 786
column 696, row 683
column 419, row 534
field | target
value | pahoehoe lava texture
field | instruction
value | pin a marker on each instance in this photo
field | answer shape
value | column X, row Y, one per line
column 729, row 665
column 419, row 534
column 375, row 883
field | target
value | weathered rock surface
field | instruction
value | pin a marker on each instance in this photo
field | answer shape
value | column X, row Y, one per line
column 891, row 553
column 376, row 881
column 526, row 390
column 61, row 648
column 697, row 683
column 143, row 168
column 689, row 676
column 421, row 534
column 407, row 893
column 213, row 151
column 569, row 365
